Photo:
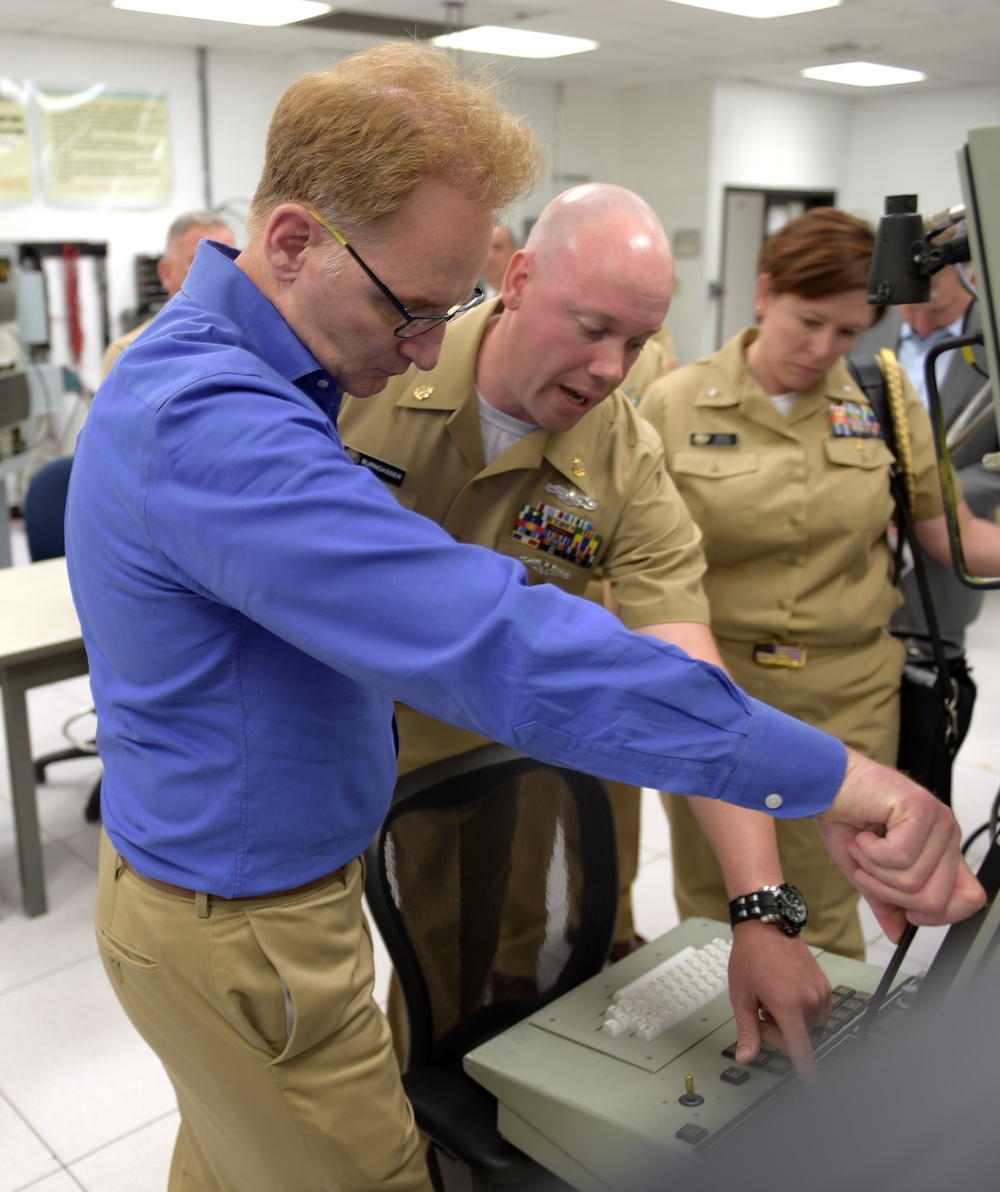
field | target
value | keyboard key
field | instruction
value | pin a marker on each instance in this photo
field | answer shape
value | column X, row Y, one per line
column 669, row 991
column 734, row 1075
column 691, row 1133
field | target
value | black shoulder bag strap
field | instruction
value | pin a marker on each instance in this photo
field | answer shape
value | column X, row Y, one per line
column 870, row 378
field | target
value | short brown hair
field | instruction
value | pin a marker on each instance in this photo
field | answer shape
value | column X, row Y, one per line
column 355, row 141
column 824, row 251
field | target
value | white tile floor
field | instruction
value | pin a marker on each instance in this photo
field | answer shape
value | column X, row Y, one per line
column 84, row 1104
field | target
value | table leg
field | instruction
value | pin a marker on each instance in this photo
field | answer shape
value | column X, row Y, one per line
column 22, row 790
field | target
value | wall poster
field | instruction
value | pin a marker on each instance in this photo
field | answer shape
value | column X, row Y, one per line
column 105, row 148
column 16, row 170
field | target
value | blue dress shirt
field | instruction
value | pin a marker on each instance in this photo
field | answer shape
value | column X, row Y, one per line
column 252, row 601
column 912, row 353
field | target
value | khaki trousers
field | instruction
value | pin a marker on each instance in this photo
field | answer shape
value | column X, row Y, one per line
column 626, row 802
column 261, row 1011
column 852, row 693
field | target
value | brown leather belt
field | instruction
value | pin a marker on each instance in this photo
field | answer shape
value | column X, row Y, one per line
column 183, row 892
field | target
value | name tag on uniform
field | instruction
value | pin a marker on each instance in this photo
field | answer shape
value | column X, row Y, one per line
column 850, row 419
column 386, row 471
column 703, row 438
column 545, row 528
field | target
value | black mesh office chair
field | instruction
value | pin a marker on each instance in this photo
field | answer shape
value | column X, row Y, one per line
column 494, row 884
column 44, row 512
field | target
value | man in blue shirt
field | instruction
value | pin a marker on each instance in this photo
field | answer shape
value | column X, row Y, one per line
column 252, row 602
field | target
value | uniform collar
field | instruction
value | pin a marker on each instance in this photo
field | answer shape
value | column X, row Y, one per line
column 730, row 383
column 451, row 387
column 453, row 381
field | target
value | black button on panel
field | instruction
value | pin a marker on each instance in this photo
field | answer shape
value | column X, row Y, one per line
column 691, row 1133
column 734, row 1075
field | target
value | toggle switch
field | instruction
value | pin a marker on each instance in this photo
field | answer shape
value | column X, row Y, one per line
column 690, row 1097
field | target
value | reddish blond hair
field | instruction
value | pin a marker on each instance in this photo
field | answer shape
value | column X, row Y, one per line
column 355, row 141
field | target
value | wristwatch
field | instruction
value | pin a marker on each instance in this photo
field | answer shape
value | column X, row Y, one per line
column 782, row 905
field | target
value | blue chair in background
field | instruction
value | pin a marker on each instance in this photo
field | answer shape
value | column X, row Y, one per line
column 44, row 513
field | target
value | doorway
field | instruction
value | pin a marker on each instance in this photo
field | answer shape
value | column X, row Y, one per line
column 748, row 218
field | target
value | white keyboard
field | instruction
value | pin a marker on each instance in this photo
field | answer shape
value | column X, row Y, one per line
column 671, row 991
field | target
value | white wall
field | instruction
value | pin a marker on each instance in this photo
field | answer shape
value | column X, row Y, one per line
column 905, row 143
column 539, row 105
column 243, row 89
column 665, row 147
column 768, row 138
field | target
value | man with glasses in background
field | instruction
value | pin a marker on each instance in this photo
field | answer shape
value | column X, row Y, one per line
column 251, row 601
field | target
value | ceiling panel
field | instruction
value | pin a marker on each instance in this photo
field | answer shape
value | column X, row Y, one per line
column 642, row 41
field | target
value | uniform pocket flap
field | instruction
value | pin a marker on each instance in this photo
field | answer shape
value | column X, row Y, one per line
column 714, row 463
column 857, row 453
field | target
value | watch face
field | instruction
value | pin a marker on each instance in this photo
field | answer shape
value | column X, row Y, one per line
column 792, row 905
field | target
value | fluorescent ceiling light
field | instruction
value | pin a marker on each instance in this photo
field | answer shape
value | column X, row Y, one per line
column 236, row 12
column 513, row 43
column 760, row 8
column 863, row 74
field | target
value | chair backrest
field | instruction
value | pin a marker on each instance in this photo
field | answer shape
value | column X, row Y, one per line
column 44, row 509
column 494, row 884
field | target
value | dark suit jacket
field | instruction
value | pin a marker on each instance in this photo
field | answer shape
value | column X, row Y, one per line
column 955, row 604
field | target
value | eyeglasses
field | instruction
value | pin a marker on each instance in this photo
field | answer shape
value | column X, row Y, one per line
column 414, row 324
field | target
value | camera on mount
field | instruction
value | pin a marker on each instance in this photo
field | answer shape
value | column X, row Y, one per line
column 905, row 254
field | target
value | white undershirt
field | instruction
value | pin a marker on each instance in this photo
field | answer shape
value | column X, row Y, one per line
column 500, row 431
column 783, row 402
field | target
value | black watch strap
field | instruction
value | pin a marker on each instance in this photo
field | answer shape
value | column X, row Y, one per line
column 782, row 905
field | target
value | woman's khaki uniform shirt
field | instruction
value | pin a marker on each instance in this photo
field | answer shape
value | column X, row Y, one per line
column 799, row 581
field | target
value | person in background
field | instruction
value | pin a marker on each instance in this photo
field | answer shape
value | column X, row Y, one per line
column 657, row 358
column 782, row 463
column 251, row 602
column 503, row 245
column 183, row 238
column 912, row 330
column 520, row 425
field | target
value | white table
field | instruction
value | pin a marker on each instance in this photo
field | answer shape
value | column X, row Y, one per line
column 39, row 643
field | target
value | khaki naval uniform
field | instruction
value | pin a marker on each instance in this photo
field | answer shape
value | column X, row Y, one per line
column 422, row 435
column 657, row 358
column 800, row 582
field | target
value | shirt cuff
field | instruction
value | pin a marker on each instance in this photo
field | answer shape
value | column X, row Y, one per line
column 788, row 769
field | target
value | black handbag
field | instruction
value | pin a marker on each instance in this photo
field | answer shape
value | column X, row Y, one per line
column 936, row 695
